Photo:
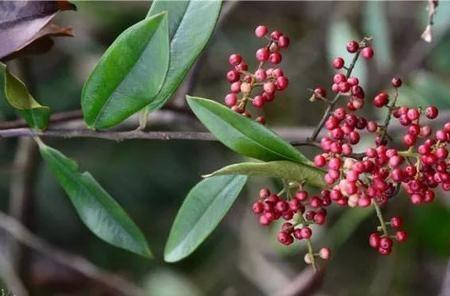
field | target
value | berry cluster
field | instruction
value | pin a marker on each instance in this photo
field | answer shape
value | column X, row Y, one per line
column 299, row 210
column 260, row 86
column 370, row 178
column 374, row 177
column 383, row 243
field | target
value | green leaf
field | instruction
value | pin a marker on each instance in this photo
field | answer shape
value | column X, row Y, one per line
column 17, row 95
column 129, row 75
column 279, row 169
column 191, row 24
column 96, row 208
column 202, row 210
column 242, row 134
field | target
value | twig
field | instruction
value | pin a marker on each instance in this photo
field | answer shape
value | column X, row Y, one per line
column 21, row 205
column 333, row 103
column 10, row 278
column 427, row 35
column 83, row 266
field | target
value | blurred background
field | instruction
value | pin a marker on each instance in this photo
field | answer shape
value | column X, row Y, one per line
column 151, row 178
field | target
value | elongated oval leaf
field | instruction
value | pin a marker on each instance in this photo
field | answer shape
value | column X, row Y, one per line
column 280, row 169
column 17, row 95
column 202, row 210
column 242, row 134
column 129, row 75
column 96, row 208
column 191, row 24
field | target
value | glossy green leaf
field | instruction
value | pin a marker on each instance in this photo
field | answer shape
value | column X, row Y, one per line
column 17, row 95
column 202, row 210
column 242, row 134
column 279, row 169
column 96, row 208
column 129, row 75
column 191, row 24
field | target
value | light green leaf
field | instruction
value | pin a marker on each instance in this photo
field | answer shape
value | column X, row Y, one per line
column 279, row 169
column 17, row 95
column 129, row 75
column 201, row 212
column 191, row 24
column 242, row 134
column 96, row 208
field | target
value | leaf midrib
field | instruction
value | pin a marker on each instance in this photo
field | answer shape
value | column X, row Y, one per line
column 101, row 111
column 67, row 172
column 189, row 233
column 236, row 127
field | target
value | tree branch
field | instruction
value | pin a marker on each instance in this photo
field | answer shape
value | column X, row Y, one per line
column 21, row 203
column 81, row 265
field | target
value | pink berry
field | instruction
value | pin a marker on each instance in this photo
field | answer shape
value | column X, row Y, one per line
column 235, row 59
column 231, row 99
column 431, row 112
column 262, row 54
column 261, row 31
column 367, row 53
column 283, row 41
column 338, row 63
column 275, row 58
column 352, row 46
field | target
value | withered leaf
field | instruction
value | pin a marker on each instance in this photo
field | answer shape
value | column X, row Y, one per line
column 22, row 23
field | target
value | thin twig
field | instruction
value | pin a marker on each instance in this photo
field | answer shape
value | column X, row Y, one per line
column 10, row 278
column 21, row 205
column 333, row 103
column 80, row 264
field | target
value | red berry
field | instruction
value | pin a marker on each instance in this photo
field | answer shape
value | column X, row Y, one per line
column 319, row 161
column 235, row 59
column 401, row 236
column 261, row 119
column 275, row 58
column 367, row 53
column 385, row 243
column 283, row 41
column 264, row 193
column 257, row 207
column 374, row 240
column 275, row 35
column 320, row 91
column 231, row 100
column 282, row 83
column 269, row 87
column 431, row 112
column 233, row 76
column 352, row 46
column 262, row 54
column 396, row 82
column 381, row 99
column 285, row 238
column 258, row 101
column 384, row 252
column 261, row 31
column 396, row 222
column 241, row 67
column 324, row 253
column 338, row 63
column 306, row 232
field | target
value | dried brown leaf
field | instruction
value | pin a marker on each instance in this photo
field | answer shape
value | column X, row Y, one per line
column 24, row 22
